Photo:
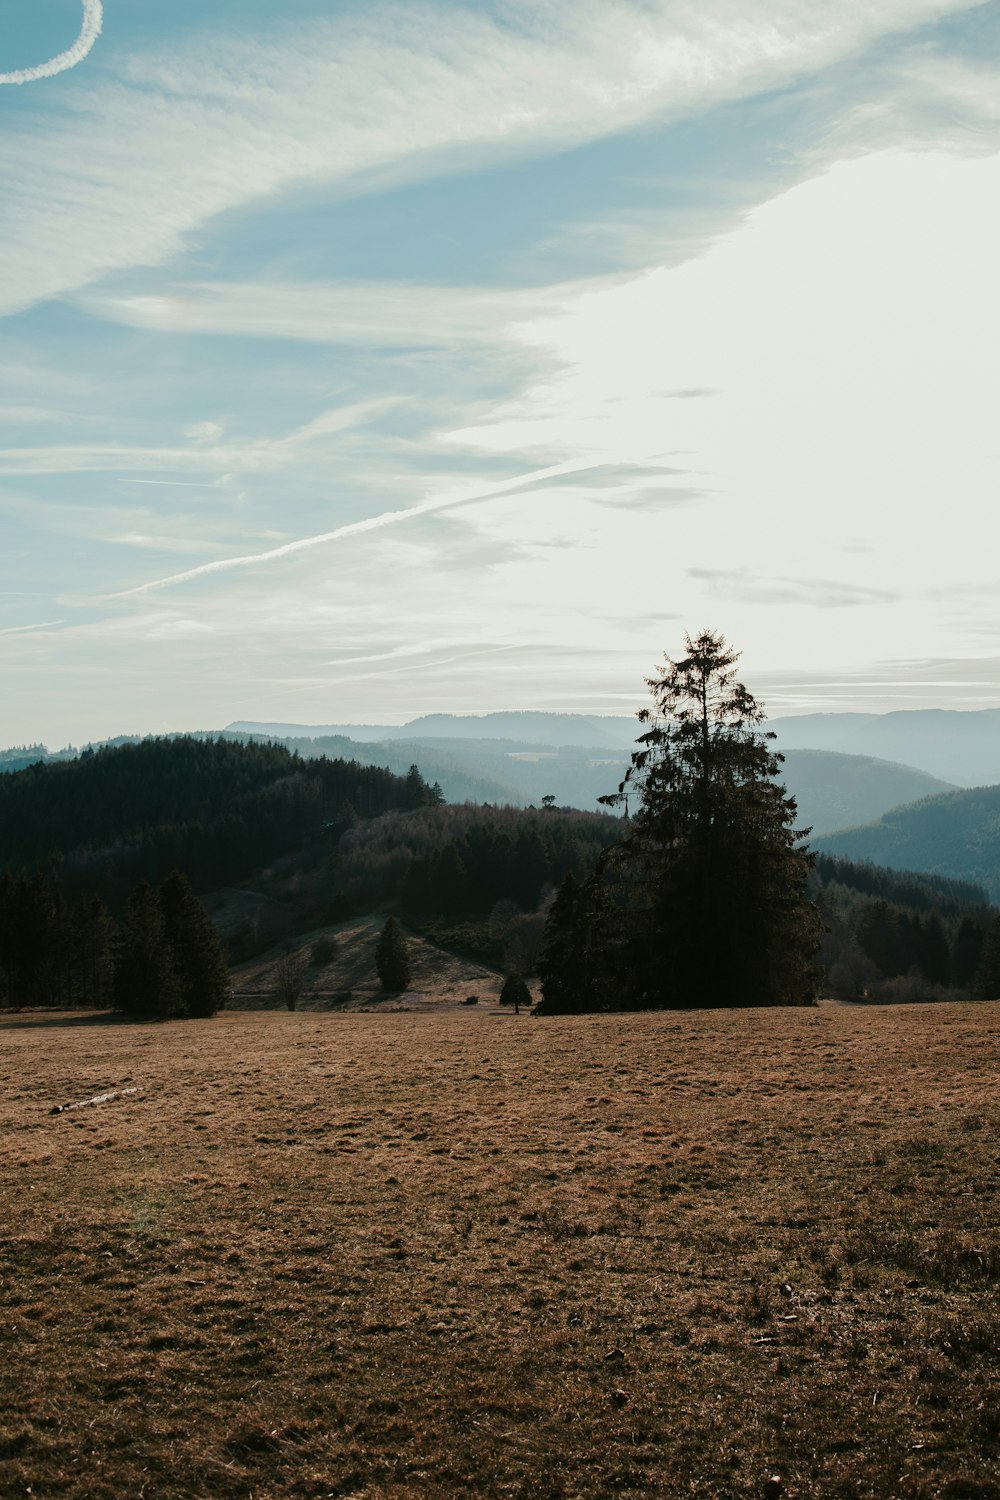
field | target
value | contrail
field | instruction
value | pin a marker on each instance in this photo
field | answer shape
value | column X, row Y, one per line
column 373, row 523
column 182, row 484
column 25, row 629
column 93, row 20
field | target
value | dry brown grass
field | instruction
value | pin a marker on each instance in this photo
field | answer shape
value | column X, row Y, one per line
column 437, row 977
column 466, row 1254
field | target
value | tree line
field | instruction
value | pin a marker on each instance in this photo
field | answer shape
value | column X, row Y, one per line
column 893, row 935
column 160, row 958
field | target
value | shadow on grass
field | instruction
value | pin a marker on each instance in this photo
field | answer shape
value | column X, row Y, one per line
column 61, row 1018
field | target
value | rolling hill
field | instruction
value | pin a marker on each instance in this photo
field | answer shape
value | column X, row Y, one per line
column 957, row 834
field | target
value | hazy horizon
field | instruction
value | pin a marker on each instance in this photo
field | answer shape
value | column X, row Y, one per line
column 366, row 361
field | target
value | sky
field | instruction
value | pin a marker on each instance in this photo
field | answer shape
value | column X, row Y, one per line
column 359, row 361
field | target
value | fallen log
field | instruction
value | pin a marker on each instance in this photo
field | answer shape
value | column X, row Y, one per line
column 61, row 1109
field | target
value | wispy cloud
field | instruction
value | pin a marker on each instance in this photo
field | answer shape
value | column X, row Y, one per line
column 251, row 455
column 388, row 95
column 90, row 30
column 821, row 593
column 360, row 314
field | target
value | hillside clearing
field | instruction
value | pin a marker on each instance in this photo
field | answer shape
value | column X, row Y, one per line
column 463, row 1253
column 437, row 978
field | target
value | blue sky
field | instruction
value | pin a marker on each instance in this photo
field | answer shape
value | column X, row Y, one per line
column 358, row 361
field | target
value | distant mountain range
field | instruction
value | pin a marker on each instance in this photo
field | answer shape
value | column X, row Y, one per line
column 532, row 728
column 959, row 745
column 833, row 790
column 962, row 747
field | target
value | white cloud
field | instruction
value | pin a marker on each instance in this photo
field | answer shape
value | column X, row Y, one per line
column 30, row 629
column 204, row 432
column 188, row 134
column 850, row 328
column 374, row 314
column 90, row 30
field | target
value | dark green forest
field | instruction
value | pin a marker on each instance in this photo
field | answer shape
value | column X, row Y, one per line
column 899, row 935
column 955, row 834
column 325, row 840
column 216, row 809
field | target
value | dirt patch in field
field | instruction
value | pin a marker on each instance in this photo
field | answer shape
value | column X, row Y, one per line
column 463, row 1253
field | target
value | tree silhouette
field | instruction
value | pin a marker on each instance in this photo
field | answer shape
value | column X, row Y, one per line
column 146, row 983
column 515, row 992
column 198, row 959
column 392, row 960
column 705, row 896
column 988, row 977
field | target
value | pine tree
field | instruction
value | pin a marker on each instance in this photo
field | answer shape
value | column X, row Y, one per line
column 966, row 953
column 988, row 975
column 146, row 985
column 92, row 935
column 515, row 992
column 563, row 962
column 709, row 882
column 392, row 959
column 198, row 959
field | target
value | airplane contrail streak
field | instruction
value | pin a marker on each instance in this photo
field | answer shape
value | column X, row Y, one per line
column 90, row 30
column 372, row 523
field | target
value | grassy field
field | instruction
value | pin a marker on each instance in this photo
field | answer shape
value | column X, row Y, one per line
column 459, row 1253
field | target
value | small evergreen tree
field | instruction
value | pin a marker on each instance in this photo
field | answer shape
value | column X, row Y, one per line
column 515, row 992
column 392, row 959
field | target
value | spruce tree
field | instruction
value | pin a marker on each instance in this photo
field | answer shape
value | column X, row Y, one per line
column 392, row 959
column 988, row 975
column 92, row 936
column 709, row 883
column 198, row 959
column 566, row 964
column 515, row 992
column 146, row 985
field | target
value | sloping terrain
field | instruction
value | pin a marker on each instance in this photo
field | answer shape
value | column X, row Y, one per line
column 836, row 791
column 347, row 980
column 957, row 834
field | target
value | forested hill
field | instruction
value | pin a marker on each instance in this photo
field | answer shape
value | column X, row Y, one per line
column 899, row 934
column 216, row 809
column 957, row 834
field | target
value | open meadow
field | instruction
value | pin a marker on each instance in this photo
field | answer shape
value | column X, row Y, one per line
column 726, row 1253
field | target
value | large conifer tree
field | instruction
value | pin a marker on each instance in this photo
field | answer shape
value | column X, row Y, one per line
column 711, row 875
column 705, row 896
